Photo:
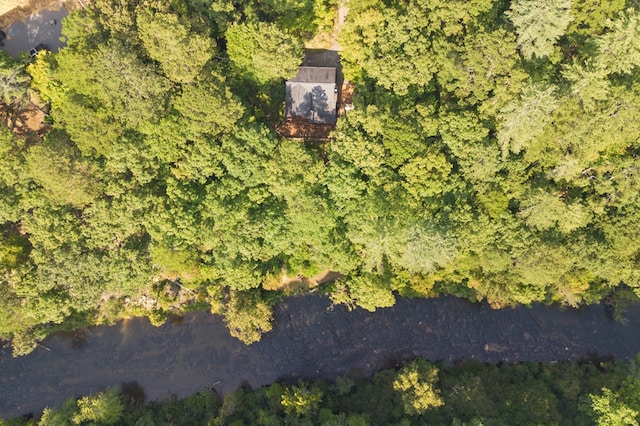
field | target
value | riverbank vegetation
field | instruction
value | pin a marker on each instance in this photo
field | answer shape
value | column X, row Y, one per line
column 491, row 154
column 418, row 392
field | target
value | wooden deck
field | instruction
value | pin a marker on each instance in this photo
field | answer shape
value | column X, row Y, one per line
column 301, row 128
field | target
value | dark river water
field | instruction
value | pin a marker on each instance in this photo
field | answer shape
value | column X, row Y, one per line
column 309, row 340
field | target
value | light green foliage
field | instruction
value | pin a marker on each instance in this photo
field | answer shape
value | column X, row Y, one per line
column 462, row 167
column 427, row 249
column 387, row 128
column 173, row 264
column 416, row 383
column 23, row 342
column 106, row 92
column 619, row 48
column 181, row 52
column 378, row 235
column 42, row 78
column 301, row 400
column 248, row 315
column 403, row 46
column 467, row 138
column 225, row 12
column 83, row 30
column 339, row 294
column 298, row 16
column 263, row 51
column 485, row 70
column 59, row 416
column 539, row 25
column 368, row 292
column 426, row 175
column 103, row 408
column 544, row 210
column 392, row 47
column 588, row 84
column 208, row 107
column 455, row 17
column 116, row 82
column 117, row 17
column 57, row 166
column 524, row 119
column 303, row 18
column 581, row 139
column 609, row 410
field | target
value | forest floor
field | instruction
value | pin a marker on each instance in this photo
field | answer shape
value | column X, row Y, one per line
column 27, row 120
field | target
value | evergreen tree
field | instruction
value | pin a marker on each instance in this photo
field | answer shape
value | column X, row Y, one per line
column 539, row 25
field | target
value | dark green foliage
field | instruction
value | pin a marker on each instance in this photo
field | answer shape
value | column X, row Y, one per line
column 14, row 81
column 566, row 393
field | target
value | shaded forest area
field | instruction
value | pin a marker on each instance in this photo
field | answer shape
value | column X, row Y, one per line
column 491, row 154
column 418, row 392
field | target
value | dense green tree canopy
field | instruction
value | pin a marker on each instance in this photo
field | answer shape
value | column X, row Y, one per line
column 490, row 153
column 180, row 51
column 263, row 51
column 539, row 25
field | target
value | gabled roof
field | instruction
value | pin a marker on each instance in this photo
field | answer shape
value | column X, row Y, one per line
column 315, row 75
column 312, row 95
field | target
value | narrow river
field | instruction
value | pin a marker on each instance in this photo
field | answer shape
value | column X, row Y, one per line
column 309, row 340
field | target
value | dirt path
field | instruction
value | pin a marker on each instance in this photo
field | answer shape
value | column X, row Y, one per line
column 343, row 11
column 303, row 284
column 329, row 41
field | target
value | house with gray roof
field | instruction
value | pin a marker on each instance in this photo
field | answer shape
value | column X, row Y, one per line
column 312, row 95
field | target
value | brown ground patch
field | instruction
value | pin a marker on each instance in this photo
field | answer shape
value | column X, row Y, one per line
column 19, row 13
column 7, row 6
column 345, row 97
column 26, row 120
column 299, row 283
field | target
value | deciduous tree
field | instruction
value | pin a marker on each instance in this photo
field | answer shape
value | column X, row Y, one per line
column 416, row 383
column 170, row 40
column 262, row 51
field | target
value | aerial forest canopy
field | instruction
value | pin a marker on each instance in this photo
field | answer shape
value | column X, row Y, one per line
column 491, row 154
